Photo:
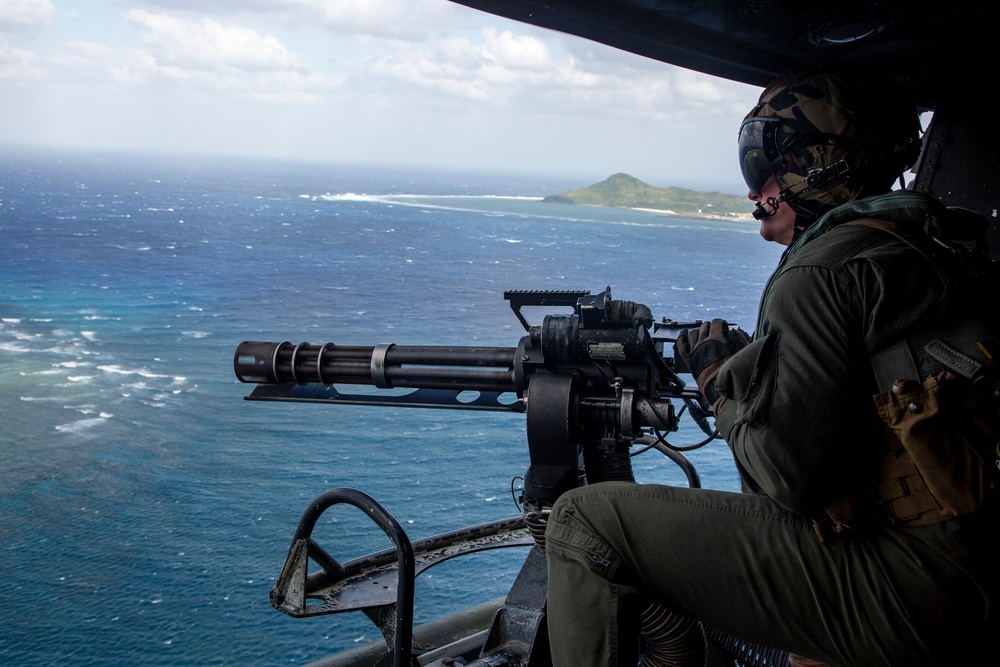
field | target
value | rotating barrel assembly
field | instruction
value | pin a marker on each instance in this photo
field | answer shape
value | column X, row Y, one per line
column 590, row 381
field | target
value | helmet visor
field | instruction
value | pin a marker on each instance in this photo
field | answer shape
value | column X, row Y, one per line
column 759, row 156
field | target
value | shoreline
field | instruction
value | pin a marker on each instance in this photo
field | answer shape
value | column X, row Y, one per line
column 667, row 213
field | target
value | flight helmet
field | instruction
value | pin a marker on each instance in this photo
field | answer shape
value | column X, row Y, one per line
column 829, row 133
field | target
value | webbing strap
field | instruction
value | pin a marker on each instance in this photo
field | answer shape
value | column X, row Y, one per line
column 962, row 364
column 894, row 363
column 960, row 346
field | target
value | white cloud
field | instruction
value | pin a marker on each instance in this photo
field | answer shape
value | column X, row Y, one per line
column 522, row 52
column 207, row 55
column 18, row 64
column 491, row 70
column 211, row 46
column 226, row 61
column 19, row 14
column 406, row 20
column 386, row 19
column 510, row 69
column 697, row 89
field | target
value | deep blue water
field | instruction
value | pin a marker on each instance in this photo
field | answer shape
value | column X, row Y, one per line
column 146, row 508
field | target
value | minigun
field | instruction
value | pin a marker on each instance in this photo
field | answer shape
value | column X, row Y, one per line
column 591, row 383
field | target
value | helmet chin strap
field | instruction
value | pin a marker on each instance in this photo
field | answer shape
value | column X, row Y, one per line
column 815, row 178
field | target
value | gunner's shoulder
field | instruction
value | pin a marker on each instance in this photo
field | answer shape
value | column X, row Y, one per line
column 866, row 227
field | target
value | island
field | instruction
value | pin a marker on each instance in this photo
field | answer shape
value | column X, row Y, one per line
column 624, row 191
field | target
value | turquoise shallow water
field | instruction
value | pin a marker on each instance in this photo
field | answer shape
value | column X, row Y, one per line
column 145, row 507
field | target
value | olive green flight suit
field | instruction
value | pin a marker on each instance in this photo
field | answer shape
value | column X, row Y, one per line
column 798, row 415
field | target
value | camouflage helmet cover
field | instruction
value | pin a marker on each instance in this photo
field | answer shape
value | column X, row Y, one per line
column 835, row 117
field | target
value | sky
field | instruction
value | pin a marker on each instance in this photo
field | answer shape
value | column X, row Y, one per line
column 401, row 82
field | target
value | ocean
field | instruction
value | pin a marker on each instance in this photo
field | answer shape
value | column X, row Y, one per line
column 146, row 507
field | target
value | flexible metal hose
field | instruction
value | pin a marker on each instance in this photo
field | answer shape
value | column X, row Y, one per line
column 672, row 640
column 536, row 525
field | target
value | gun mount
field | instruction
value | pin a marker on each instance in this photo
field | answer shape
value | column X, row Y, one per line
column 592, row 384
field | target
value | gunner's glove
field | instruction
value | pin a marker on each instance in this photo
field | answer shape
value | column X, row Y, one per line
column 705, row 349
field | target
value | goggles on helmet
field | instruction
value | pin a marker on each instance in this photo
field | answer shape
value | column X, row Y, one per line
column 759, row 154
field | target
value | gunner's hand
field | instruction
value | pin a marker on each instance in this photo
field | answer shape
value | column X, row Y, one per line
column 706, row 349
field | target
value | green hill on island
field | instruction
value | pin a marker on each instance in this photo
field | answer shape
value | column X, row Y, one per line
column 626, row 191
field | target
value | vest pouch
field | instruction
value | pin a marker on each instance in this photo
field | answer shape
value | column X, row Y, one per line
column 943, row 458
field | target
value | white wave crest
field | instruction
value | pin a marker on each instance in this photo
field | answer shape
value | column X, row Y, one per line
column 118, row 370
column 350, row 196
column 81, row 425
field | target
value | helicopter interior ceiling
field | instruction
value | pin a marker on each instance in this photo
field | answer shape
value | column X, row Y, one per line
column 924, row 45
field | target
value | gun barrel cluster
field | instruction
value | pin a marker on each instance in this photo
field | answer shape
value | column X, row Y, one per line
column 384, row 366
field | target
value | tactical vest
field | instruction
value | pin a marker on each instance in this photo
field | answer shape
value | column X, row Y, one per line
column 942, row 429
column 939, row 391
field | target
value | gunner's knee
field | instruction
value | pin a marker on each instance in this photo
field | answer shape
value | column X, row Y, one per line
column 570, row 508
column 574, row 533
column 591, row 507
